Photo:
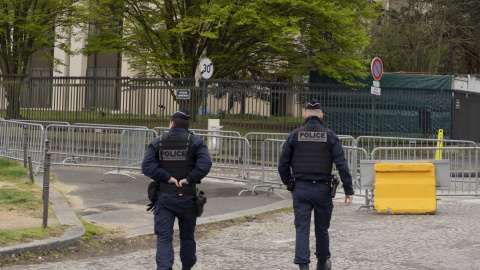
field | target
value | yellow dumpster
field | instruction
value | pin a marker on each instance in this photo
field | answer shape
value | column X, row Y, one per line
column 403, row 188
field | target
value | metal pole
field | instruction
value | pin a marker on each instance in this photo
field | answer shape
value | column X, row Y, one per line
column 477, row 169
column 46, row 183
column 30, row 168
column 203, row 103
column 25, row 146
column 373, row 116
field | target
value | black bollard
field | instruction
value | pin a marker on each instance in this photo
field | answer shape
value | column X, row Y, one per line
column 46, row 183
column 30, row 170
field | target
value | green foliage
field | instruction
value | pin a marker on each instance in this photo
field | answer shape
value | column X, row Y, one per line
column 244, row 39
column 28, row 26
column 429, row 36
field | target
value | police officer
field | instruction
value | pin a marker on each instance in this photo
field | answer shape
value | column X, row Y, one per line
column 177, row 161
column 305, row 166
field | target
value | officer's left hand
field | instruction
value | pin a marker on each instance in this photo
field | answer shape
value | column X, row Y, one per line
column 182, row 182
column 151, row 207
column 173, row 181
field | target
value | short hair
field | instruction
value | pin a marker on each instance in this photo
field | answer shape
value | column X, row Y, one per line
column 314, row 112
column 179, row 122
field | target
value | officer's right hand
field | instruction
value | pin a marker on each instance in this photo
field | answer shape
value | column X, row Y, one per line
column 173, row 181
column 348, row 200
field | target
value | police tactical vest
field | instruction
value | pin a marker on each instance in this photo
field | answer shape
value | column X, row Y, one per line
column 311, row 151
column 174, row 154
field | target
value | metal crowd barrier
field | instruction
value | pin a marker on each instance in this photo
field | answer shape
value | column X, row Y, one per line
column 214, row 143
column 256, row 140
column 14, row 136
column 133, row 145
column 371, row 142
column 271, row 150
column 44, row 123
column 464, row 165
column 234, row 157
column 108, row 125
column 98, row 146
column 228, row 162
column 160, row 130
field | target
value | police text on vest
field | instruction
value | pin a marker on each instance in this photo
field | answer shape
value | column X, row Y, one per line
column 312, row 136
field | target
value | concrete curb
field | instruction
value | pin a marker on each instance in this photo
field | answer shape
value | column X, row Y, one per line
column 65, row 216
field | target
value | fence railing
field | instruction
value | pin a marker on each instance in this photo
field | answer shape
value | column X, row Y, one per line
column 123, row 148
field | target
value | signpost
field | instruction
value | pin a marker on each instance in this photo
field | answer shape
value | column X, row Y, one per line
column 206, row 70
column 377, row 72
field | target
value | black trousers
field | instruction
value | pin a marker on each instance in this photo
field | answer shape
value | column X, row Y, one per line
column 308, row 196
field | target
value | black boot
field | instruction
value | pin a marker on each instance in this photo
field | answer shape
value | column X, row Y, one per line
column 303, row 266
column 324, row 265
column 186, row 267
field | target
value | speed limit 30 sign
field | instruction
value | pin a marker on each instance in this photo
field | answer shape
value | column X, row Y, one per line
column 206, row 68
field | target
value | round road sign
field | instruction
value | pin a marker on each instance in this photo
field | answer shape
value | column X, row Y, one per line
column 206, row 68
column 377, row 68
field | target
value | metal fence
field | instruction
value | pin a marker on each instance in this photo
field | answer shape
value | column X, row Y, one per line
column 244, row 107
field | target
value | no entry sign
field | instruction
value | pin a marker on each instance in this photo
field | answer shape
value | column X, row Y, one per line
column 377, row 68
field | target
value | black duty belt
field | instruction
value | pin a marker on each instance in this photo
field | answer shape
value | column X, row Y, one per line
column 314, row 181
column 173, row 189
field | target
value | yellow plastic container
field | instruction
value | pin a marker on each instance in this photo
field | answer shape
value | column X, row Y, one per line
column 405, row 188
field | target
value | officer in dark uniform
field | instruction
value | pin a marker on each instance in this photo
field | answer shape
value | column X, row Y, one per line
column 177, row 161
column 306, row 165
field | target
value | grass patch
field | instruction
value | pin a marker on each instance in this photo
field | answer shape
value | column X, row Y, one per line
column 20, row 198
column 28, row 234
column 22, row 194
column 91, row 229
column 11, row 171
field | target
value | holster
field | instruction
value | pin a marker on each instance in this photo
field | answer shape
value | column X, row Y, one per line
column 152, row 195
column 333, row 186
column 152, row 191
column 201, row 200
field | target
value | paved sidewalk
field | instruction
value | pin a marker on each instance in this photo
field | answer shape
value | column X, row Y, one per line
column 359, row 240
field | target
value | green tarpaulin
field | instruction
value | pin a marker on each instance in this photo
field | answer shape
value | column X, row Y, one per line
column 424, row 81
column 413, row 81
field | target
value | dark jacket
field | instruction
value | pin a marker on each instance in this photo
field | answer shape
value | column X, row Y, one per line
column 338, row 158
column 203, row 162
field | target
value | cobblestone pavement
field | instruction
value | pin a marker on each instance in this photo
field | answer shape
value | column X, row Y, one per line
column 359, row 240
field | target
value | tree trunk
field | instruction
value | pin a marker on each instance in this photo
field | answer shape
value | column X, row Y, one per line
column 453, row 38
column 12, row 86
